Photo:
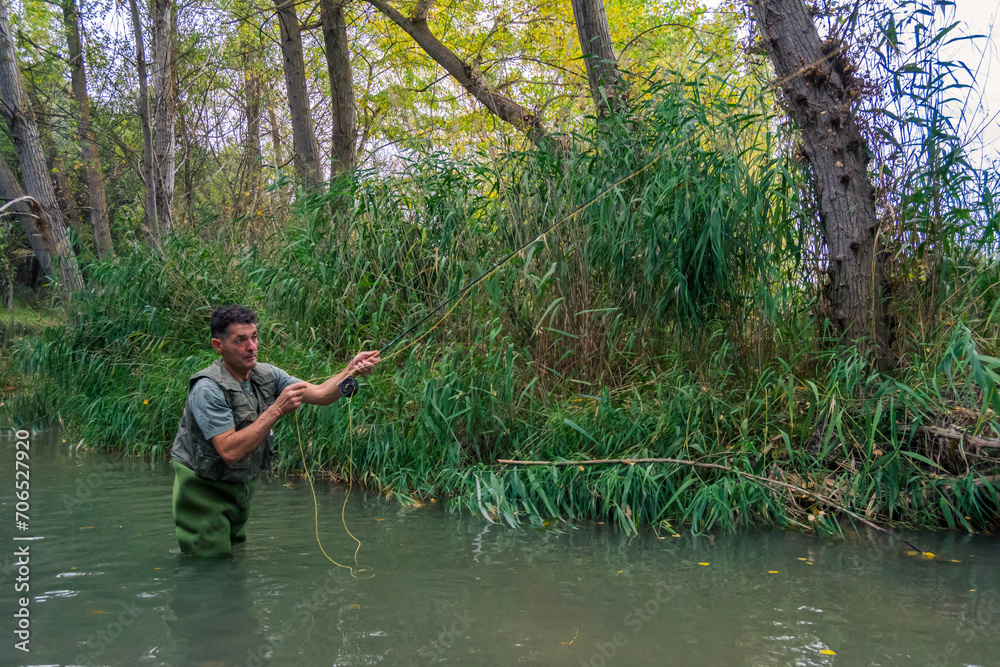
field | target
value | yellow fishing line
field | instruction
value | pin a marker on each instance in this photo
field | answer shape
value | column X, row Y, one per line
column 343, row 509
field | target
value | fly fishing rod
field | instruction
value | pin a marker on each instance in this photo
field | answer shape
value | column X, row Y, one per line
column 349, row 386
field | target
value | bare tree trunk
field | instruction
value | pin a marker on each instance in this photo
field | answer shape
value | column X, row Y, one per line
column 343, row 105
column 164, row 109
column 88, row 140
column 599, row 54
column 152, row 226
column 468, row 76
column 11, row 190
column 189, row 189
column 27, row 143
column 820, row 92
column 308, row 163
column 53, row 158
column 275, row 135
column 249, row 176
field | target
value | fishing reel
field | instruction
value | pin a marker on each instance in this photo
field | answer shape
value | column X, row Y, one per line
column 348, row 387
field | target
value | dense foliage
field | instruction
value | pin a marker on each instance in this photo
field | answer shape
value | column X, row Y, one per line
column 678, row 316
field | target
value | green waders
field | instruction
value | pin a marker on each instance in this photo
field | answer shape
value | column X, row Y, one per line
column 211, row 516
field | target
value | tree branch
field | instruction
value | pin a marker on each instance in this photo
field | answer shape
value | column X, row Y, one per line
column 468, row 76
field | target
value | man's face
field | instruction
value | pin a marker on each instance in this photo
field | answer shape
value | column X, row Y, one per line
column 238, row 347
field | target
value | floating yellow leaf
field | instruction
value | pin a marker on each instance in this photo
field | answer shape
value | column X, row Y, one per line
column 380, row 519
column 827, row 651
column 804, row 559
column 97, row 611
column 619, row 572
column 702, row 563
column 772, row 572
column 955, row 561
column 354, row 606
column 972, row 590
column 928, row 555
column 85, row 527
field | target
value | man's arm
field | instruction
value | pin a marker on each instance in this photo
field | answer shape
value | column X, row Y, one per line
column 329, row 391
column 233, row 445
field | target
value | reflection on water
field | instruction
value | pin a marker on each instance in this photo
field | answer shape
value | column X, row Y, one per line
column 109, row 586
column 209, row 612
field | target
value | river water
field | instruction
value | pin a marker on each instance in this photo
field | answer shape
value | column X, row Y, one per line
column 108, row 585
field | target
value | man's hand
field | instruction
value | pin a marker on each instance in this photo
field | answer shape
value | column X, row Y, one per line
column 328, row 392
column 363, row 363
column 233, row 445
column 290, row 399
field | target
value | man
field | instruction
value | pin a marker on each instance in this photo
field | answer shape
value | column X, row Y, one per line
column 224, row 439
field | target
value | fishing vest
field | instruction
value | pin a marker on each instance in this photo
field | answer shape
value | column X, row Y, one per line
column 191, row 449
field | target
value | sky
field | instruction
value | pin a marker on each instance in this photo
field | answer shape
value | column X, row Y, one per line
column 982, row 57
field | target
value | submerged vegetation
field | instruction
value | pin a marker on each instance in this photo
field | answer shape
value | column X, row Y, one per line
column 679, row 316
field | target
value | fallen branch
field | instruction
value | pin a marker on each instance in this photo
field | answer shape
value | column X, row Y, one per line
column 698, row 464
column 954, row 434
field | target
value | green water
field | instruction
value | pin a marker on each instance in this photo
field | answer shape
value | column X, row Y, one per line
column 108, row 586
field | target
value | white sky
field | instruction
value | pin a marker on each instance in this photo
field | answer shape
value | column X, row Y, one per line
column 982, row 57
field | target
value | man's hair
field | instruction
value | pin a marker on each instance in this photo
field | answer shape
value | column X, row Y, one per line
column 223, row 316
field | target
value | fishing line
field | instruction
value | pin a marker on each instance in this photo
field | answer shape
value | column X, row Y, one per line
column 514, row 253
column 343, row 518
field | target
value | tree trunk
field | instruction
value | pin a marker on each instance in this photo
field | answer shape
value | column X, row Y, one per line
column 27, row 143
column 11, row 190
column 308, row 163
column 343, row 106
column 275, row 136
column 599, row 54
column 152, row 227
column 88, row 140
column 820, row 91
column 468, row 76
column 189, row 190
column 53, row 158
column 249, row 176
column 164, row 109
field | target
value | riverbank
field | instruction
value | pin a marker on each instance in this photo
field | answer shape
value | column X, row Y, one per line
column 433, row 422
column 678, row 316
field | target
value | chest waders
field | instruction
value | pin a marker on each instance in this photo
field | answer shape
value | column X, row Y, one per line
column 211, row 500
